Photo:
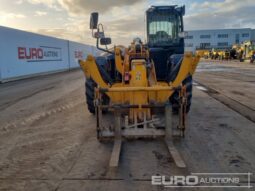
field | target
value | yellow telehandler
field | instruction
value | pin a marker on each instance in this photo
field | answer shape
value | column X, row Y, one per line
column 145, row 88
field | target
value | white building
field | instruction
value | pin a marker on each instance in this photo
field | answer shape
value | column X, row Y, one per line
column 217, row 38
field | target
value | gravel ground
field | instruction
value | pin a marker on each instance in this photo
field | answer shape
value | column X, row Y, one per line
column 48, row 138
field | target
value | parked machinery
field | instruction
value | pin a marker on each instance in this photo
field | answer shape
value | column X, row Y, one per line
column 204, row 53
column 146, row 86
column 224, row 54
column 248, row 51
column 235, row 51
column 214, row 54
column 217, row 54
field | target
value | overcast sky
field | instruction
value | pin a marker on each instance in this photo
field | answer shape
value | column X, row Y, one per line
column 123, row 19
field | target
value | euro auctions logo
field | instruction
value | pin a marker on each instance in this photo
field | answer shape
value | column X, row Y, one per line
column 174, row 181
column 78, row 54
column 40, row 54
column 205, row 180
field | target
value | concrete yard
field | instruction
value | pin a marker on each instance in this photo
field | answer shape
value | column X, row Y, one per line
column 48, row 138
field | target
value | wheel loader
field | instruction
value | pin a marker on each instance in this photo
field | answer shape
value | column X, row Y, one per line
column 143, row 90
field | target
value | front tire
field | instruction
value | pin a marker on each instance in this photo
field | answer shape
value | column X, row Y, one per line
column 174, row 99
column 90, row 95
column 90, row 86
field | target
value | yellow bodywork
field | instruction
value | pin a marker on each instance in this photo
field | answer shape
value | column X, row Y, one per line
column 142, row 88
column 160, row 92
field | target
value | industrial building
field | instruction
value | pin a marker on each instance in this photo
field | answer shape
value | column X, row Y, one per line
column 217, row 38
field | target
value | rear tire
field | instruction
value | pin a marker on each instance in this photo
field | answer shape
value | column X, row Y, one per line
column 174, row 99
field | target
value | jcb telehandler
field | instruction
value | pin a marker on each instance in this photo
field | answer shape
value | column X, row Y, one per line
column 148, row 87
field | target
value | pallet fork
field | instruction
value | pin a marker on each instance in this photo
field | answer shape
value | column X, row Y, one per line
column 122, row 130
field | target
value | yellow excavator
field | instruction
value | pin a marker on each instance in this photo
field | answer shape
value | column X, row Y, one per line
column 143, row 90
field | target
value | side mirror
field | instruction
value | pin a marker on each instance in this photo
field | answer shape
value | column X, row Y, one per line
column 183, row 10
column 105, row 41
column 182, row 34
column 93, row 20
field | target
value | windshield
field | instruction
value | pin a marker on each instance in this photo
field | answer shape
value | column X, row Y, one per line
column 163, row 30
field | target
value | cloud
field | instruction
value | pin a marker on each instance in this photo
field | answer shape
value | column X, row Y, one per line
column 124, row 30
column 86, row 6
column 225, row 14
column 18, row 2
column 15, row 16
column 40, row 13
column 121, row 23
column 124, row 19
column 61, row 33
column 81, row 7
column 74, row 30
column 45, row 2
column 125, row 23
column 53, row 4
column 4, row 16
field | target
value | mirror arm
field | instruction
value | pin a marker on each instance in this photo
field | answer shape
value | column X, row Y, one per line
column 102, row 26
column 92, row 32
column 102, row 49
column 99, row 48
